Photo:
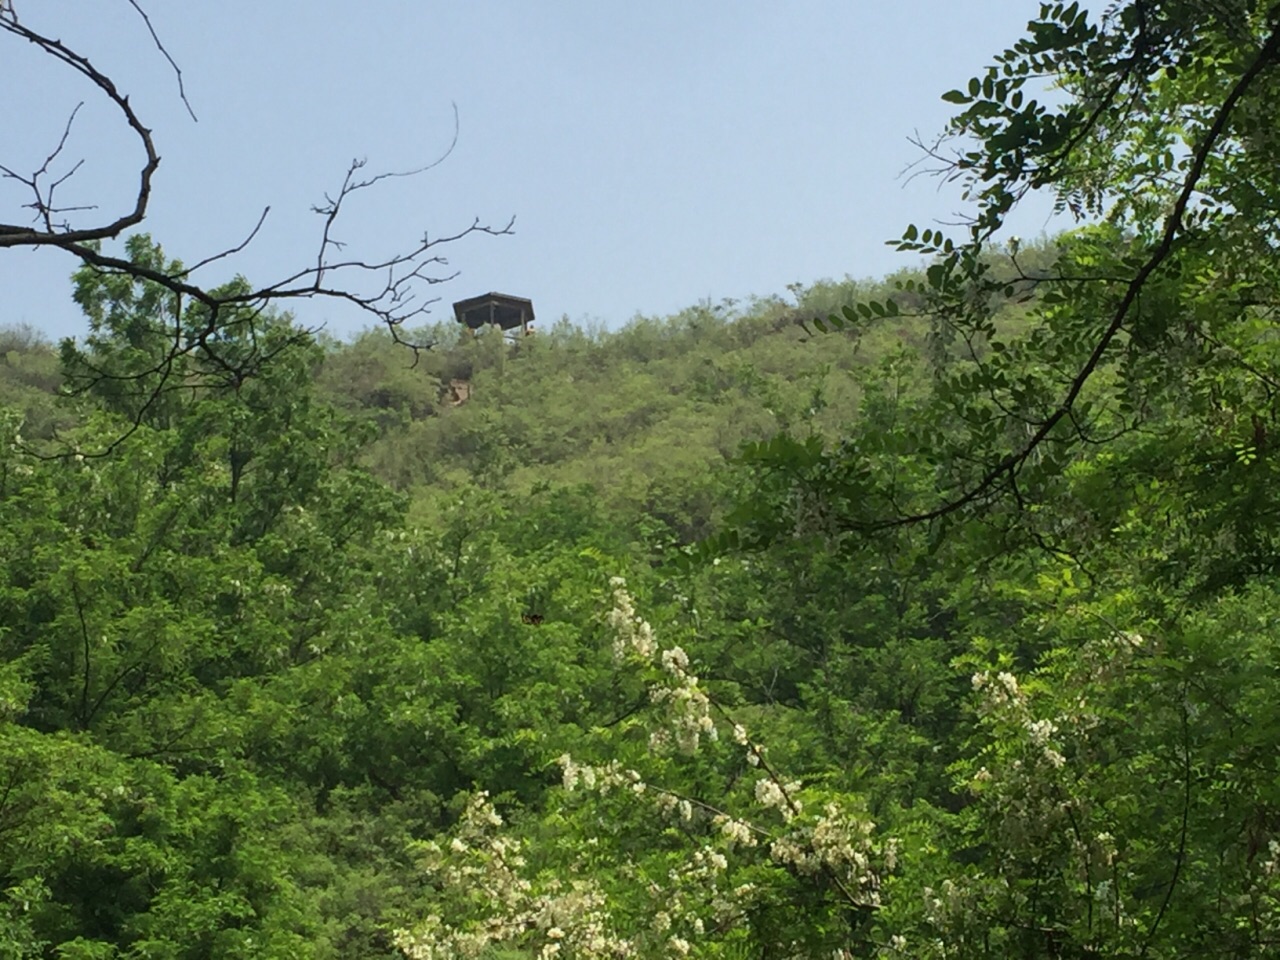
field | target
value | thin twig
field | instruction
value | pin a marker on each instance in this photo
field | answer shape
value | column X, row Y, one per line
column 177, row 71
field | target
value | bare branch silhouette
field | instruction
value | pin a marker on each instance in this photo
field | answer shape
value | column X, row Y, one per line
column 390, row 288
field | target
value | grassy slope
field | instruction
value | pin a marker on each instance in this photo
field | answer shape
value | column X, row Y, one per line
column 643, row 414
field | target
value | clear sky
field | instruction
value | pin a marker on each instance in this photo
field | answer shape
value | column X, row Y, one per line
column 653, row 154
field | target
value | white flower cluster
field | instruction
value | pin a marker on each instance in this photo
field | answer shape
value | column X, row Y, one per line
column 1003, row 697
column 781, row 797
column 834, row 842
column 694, row 888
column 1001, row 690
column 841, row 845
column 633, row 637
column 485, row 877
column 948, row 904
column 1104, row 657
column 1041, row 731
column 1271, row 866
column 613, row 776
column 601, row 779
column 568, row 917
column 689, row 717
column 737, row 833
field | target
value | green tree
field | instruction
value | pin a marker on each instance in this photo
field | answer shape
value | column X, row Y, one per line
column 1018, row 575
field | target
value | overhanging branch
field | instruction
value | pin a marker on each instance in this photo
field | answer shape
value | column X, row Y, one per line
column 1009, row 465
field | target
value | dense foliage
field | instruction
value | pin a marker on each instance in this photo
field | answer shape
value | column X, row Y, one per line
column 927, row 618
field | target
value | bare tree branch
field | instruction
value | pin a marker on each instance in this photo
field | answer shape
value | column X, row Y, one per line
column 42, row 202
column 177, row 71
column 14, row 235
column 389, row 288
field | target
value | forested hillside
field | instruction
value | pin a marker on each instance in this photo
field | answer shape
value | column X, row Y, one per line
column 641, row 415
column 932, row 617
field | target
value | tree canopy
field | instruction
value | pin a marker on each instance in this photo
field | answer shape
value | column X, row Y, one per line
column 929, row 617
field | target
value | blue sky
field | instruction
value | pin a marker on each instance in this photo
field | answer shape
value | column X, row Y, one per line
column 653, row 154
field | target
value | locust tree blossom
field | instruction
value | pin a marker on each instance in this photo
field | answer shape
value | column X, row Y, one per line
column 502, row 905
column 711, row 865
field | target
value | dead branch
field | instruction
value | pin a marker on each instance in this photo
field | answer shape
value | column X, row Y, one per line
column 389, row 288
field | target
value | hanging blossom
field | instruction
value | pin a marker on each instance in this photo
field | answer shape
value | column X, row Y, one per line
column 1001, row 696
column 633, row 636
column 688, row 709
column 1020, row 785
column 550, row 918
column 699, row 896
column 836, row 841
